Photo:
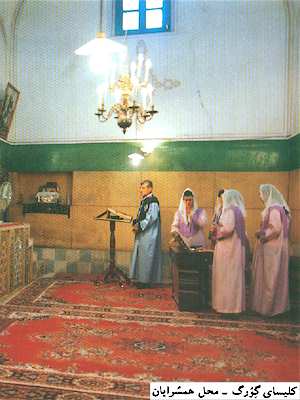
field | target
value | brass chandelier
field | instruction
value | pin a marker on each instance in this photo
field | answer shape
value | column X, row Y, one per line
column 132, row 89
column 133, row 94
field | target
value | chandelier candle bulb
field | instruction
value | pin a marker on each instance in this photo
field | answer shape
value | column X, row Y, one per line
column 140, row 64
column 140, row 58
column 144, row 97
column 113, row 74
column 123, row 64
column 148, row 66
column 100, row 95
column 117, row 95
column 105, row 95
column 150, row 95
column 132, row 70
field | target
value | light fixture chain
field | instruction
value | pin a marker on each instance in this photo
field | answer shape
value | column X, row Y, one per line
column 101, row 17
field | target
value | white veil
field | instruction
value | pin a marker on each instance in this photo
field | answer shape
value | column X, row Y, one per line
column 181, row 208
column 272, row 196
column 232, row 197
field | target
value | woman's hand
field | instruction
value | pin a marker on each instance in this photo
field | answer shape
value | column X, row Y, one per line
column 261, row 236
column 263, row 240
column 212, row 232
column 258, row 234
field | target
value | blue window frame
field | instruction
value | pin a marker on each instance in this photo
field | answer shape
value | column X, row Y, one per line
column 142, row 16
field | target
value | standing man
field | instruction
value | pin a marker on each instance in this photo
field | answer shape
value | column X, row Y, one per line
column 146, row 259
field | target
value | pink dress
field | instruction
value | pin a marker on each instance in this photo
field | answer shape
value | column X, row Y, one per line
column 228, row 273
column 270, row 286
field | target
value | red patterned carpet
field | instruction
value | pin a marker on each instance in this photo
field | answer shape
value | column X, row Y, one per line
column 65, row 339
column 109, row 295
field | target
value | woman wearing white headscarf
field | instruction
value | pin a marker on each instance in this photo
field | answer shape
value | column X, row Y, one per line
column 228, row 273
column 189, row 220
column 270, row 287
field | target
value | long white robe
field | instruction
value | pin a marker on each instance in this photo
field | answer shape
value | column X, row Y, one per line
column 270, row 286
column 228, row 273
column 146, row 258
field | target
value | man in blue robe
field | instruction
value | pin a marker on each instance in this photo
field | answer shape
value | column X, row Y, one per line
column 146, row 266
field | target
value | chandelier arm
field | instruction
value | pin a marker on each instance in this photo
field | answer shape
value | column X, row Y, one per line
column 103, row 118
column 147, row 116
column 110, row 113
column 141, row 119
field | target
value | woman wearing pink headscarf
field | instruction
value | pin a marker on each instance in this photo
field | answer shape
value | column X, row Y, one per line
column 270, row 287
column 228, row 271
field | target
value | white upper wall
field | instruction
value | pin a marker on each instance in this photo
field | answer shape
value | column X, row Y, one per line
column 7, row 13
column 230, row 57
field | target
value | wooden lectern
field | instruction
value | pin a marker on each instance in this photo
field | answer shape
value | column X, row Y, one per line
column 113, row 273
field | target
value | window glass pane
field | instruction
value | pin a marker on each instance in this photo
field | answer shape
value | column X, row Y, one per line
column 154, row 19
column 130, row 5
column 130, row 20
column 154, row 3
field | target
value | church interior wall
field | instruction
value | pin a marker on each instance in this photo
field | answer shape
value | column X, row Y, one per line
column 4, row 154
column 91, row 192
column 91, row 196
column 237, row 79
column 294, row 196
column 231, row 81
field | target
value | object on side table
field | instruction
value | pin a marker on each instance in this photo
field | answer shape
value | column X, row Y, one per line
column 49, row 193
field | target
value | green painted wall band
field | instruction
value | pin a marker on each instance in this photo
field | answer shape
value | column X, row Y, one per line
column 4, row 153
column 237, row 155
column 294, row 145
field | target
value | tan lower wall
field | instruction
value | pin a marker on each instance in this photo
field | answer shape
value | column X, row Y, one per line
column 294, row 203
column 93, row 192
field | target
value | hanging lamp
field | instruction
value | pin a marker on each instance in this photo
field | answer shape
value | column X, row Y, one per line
column 100, row 44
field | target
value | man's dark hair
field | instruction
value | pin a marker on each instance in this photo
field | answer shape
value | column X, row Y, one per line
column 147, row 182
column 221, row 192
column 188, row 193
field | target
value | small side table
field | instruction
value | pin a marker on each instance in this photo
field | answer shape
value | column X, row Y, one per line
column 47, row 208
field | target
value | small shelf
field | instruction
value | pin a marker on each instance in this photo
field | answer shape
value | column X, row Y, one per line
column 50, row 208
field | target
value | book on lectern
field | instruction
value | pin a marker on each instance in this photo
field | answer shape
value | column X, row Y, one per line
column 116, row 215
column 179, row 244
column 181, row 241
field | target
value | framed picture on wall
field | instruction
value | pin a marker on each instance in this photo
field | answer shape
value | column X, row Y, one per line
column 8, row 109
